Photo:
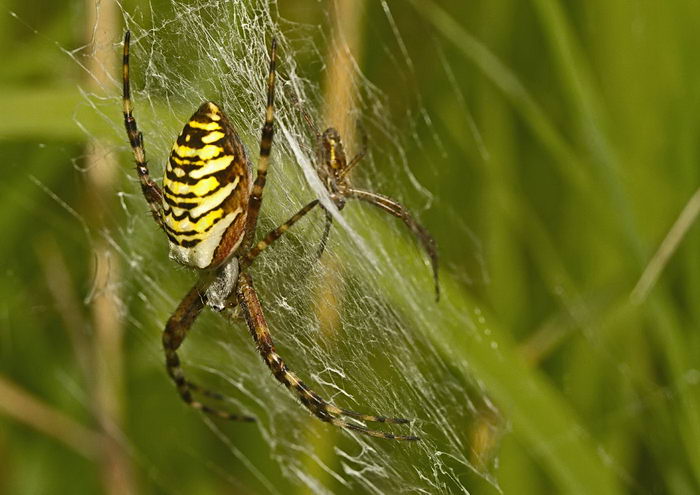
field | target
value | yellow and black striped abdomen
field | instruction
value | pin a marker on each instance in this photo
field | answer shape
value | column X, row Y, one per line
column 205, row 190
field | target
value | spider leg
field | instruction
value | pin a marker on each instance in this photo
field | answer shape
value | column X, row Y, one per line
column 255, row 201
column 304, row 113
column 175, row 332
column 247, row 259
column 399, row 211
column 357, row 158
column 149, row 188
column 325, row 235
column 325, row 411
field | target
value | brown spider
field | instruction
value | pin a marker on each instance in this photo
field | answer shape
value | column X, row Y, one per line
column 333, row 169
column 209, row 210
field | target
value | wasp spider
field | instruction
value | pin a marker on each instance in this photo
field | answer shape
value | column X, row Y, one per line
column 208, row 208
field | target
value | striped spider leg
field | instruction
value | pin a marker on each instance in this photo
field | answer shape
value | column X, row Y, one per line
column 325, row 411
column 150, row 190
column 209, row 210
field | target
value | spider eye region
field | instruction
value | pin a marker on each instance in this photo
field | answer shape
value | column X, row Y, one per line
column 206, row 190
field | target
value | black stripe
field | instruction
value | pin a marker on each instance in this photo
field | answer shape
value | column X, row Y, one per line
column 135, row 137
column 196, row 134
column 186, row 214
column 175, row 153
column 266, row 141
column 193, row 195
column 220, row 175
column 185, row 243
column 189, row 206
column 192, row 232
column 185, row 179
column 189, row 244
column 125, row 65
column 175, row 204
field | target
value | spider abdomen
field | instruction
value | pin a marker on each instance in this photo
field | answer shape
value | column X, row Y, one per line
column 205, row 190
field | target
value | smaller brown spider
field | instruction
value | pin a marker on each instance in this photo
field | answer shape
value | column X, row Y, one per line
column 333, row 169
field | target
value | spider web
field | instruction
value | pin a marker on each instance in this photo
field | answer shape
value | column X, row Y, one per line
column 346, row 324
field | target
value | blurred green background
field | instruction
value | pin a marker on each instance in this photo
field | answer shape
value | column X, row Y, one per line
column 564, row 206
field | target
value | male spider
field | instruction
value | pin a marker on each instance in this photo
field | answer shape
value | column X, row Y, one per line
column 333, row 169
column 209, row 209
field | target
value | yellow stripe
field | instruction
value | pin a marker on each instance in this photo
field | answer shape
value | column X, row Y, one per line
column 204, row 153
column 202, row 203
column 207, row 126
column 200, row 226
column 332, row 150
column 201, row 188
column 211, row 166
column 186, row 161
column 178, row 199
column 212, row 136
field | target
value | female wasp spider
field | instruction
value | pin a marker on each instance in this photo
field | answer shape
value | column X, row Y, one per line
column 209, row 209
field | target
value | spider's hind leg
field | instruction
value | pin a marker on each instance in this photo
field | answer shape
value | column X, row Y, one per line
column 326, row 233
column 175, row 332
column 358, row 157
column 325, row 411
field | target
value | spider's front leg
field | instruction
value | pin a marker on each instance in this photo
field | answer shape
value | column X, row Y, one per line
column 175, row 333
column 247, row 259
column 150, row 190
column 325, row 411
column 267, row 134
column 399, row 211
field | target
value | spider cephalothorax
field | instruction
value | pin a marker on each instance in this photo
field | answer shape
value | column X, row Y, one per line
column 208, row 209
column 331, row 161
